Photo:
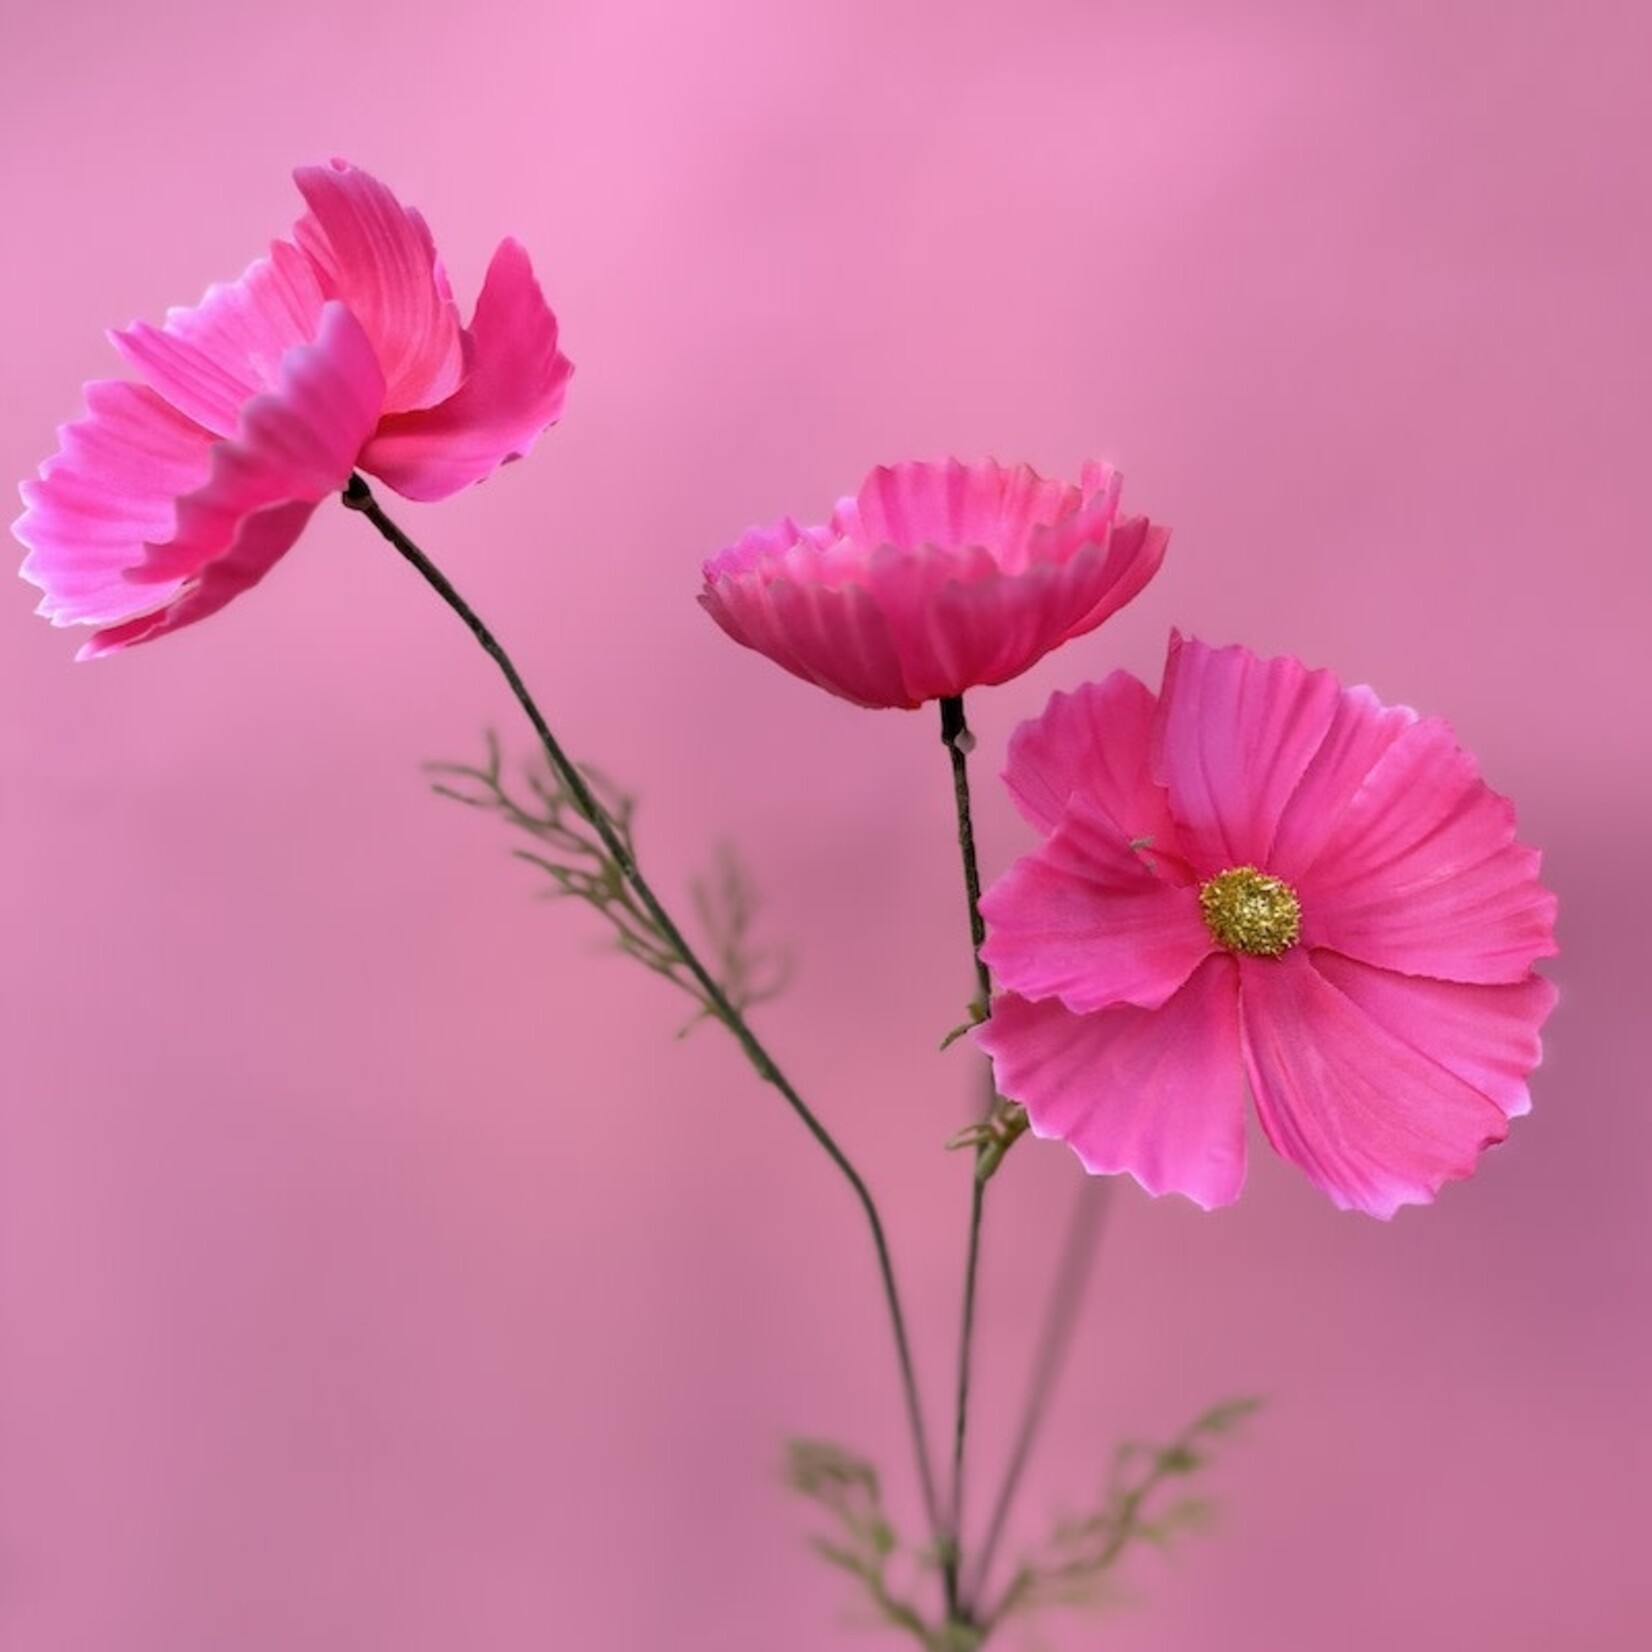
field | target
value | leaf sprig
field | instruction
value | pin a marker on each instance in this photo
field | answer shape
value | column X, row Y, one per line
column 571, row 854
column 865, row 1543
column 1143, row 1500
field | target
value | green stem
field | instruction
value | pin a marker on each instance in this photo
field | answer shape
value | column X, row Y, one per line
column 957, row 1605
column 955, row 736
column 358, row 496
column 957, row 739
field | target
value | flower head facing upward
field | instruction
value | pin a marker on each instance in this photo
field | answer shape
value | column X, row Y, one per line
column 1262, row 873
column 934, row 578
column 342, row 348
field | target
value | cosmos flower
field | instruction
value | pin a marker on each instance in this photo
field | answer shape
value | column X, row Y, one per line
column 934, row 578
column 1263, row 877
column 342, row 348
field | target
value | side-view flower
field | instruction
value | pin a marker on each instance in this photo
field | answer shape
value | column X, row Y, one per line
column 342, row 348
column 934, row 579
column 1260, row 875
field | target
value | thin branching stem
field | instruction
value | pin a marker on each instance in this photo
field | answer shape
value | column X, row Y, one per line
column 359, row 497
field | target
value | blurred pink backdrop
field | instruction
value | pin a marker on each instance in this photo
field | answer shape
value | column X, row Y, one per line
column 376, row 1271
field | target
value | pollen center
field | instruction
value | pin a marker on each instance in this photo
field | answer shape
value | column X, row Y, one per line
column 1251, row 912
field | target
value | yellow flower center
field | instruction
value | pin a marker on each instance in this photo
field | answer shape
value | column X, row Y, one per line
column 1248, row 911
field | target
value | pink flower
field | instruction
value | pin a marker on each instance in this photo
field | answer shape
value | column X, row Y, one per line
column 1262, row 873
column 341, row 349
column 934, row 578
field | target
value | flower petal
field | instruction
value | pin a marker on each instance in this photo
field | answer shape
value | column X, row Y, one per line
column 1156, row 1093
column 211, row 360
column 112, row 486
column 262, row 538
column 1421, row 872
column 1235, row 735
column 1135, row 552
column 377, row 256
column 959, row 623
column 1486, row 1035
column 1096, row 743
column 1082, row 919
column 514, row 388
column 1371, row 1121
column 294, row 447
column 920, row 504
column 835, row 638
column 1361, row 730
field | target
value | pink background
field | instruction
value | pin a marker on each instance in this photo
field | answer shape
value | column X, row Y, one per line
column 375, row 1269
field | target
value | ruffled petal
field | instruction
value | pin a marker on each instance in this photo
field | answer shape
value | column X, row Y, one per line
column 974, row 571
column 294, row 447
column 977, row 627
column 1135, row 552
column 834, row 638
column 1235, row 735
column 211, row 360
column 1083, row 920
column 959, row 622
column 920, row 505
column 513, row 390
column 1486, row 1035
column 262, row 538
column 1421, row 872
column 112, row 487
column 377, row 256
column 1096, row 743
column 1362, row 729
column 1368, row 1118
column 1157, row 1093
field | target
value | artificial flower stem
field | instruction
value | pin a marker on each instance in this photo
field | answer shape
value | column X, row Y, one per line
column 957, row 739
column 359, row 497
column 1001, row 1121
column 952, row 1557
column 955, row 736
column 1078, row 1253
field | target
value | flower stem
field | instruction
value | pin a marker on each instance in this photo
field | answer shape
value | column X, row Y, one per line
column 957, row 739
column 953, row 1557
column 1078, row 1252
column 959, row 742
column 359, row 497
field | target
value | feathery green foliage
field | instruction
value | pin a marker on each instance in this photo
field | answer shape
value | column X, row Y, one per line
column 568, row 850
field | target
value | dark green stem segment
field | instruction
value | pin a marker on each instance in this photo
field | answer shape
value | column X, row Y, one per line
column 959, row 741
column 359, row 497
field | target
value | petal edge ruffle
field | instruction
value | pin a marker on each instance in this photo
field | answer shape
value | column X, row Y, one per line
column 111, row 488
column 293, row 448
column 1370, row 1120
column 514, row 389
column 377, row 256
column 1234, row 737
column 1155, row 1093
column 1095, row 743
column 1422, row 874
column 1083, row 919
